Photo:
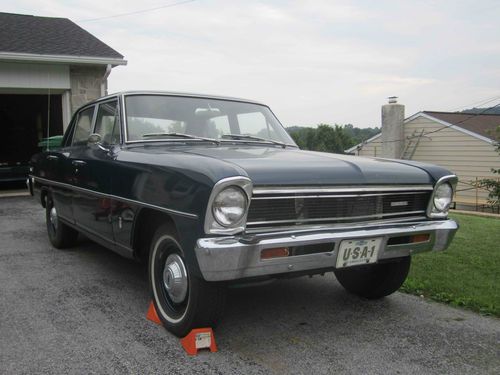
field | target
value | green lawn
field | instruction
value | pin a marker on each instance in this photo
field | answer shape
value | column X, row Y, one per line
column 468, row 273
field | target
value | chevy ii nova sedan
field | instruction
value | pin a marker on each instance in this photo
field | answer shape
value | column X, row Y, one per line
column 212, row 191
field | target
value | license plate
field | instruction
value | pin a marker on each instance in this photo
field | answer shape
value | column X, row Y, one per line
column 357, row 252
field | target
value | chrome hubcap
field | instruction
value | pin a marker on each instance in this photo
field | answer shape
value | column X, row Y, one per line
column 53, row 217
column 175, row 278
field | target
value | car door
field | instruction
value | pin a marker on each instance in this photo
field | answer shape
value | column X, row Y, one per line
column 54, row 167
column 92, row 168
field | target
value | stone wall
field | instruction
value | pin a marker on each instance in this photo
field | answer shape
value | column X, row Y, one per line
column 85, row 84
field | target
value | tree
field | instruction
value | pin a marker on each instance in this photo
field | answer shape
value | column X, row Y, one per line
column 359, row 135
column 492, row 185
column 329, row 138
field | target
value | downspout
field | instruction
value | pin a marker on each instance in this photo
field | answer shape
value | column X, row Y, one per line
column 104, row 85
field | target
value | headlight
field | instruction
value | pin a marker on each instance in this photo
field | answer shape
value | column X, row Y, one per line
column 442, row 197
column 229, row 206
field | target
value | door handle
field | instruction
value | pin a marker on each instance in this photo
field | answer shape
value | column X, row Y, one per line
column 78, row 163
column 52, row 157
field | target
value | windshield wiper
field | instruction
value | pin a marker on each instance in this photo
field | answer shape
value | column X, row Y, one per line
column 252, row 137
column 180, row 135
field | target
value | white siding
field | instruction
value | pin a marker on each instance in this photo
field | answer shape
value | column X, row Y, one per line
column 468, row 157
column 371, row 148
column 34, row 76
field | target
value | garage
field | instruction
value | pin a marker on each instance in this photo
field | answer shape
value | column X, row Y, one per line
column 24, row 121
column 49, row 67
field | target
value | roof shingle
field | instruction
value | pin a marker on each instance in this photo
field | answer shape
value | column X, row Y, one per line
column 482, row 124
column 49, row 36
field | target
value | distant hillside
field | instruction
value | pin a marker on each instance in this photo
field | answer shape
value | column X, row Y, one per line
column 360, row 134
column 328, row 138
column 486, row 111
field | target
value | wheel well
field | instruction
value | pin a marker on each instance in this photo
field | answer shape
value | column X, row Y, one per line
column 145, row 226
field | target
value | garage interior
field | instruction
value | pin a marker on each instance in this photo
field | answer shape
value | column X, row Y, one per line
column 24, row 120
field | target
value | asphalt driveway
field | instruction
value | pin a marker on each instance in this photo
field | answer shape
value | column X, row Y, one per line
column 83, row 311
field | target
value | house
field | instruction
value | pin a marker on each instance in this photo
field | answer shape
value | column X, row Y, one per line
column 49, row 67
column 462, row 142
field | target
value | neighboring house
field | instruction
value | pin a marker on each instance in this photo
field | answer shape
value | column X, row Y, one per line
column 461, row 142
column 42, row 56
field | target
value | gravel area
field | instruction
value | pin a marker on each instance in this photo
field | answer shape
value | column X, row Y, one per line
column 83, row 311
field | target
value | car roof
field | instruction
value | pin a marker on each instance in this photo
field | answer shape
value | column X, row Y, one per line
column 174, row 93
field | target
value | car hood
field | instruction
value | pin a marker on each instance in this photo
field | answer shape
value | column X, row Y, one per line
column 290, row 166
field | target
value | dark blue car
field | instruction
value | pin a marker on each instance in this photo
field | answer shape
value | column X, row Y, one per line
column 212, row 191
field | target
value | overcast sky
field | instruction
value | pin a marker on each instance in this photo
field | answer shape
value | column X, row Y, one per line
column 311, row 61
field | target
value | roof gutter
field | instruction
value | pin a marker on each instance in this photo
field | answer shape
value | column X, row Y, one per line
column 61, row 59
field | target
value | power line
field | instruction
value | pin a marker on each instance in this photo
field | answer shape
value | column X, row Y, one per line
column 479, row 103
column 139, row 11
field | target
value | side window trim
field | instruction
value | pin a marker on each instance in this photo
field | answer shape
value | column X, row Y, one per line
column 123, row 116
column 120, row 122
column 94, row 116
column 92, row 124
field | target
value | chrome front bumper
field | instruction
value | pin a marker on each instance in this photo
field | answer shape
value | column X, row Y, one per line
column 237, row 257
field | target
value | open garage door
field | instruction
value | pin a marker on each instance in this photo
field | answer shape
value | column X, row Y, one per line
column 23, row 123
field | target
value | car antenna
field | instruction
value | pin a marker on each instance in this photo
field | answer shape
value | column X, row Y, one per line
column 48, row 119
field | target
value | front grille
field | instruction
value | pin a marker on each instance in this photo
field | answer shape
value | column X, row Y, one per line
column 278, row 207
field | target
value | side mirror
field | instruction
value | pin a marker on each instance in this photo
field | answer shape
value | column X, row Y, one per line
column 94, row 139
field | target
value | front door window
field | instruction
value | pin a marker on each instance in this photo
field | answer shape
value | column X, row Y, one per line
column 83, row 127
column 107, row 123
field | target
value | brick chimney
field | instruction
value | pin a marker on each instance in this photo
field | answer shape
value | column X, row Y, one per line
column 392, row 138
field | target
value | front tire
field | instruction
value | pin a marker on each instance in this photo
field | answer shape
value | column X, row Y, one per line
column 183, row 301
column 376, row 281
column 60, row 235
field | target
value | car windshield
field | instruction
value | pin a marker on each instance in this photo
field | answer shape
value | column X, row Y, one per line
column 160, row 117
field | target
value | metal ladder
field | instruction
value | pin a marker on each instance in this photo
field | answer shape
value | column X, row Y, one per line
column 411, row 145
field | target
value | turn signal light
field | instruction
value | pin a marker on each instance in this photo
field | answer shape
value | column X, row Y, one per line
column 276, row 252
column 424, row 237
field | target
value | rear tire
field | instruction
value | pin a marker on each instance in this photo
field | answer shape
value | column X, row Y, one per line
column 183, row 301
column 60, row 235
column 376, row 281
